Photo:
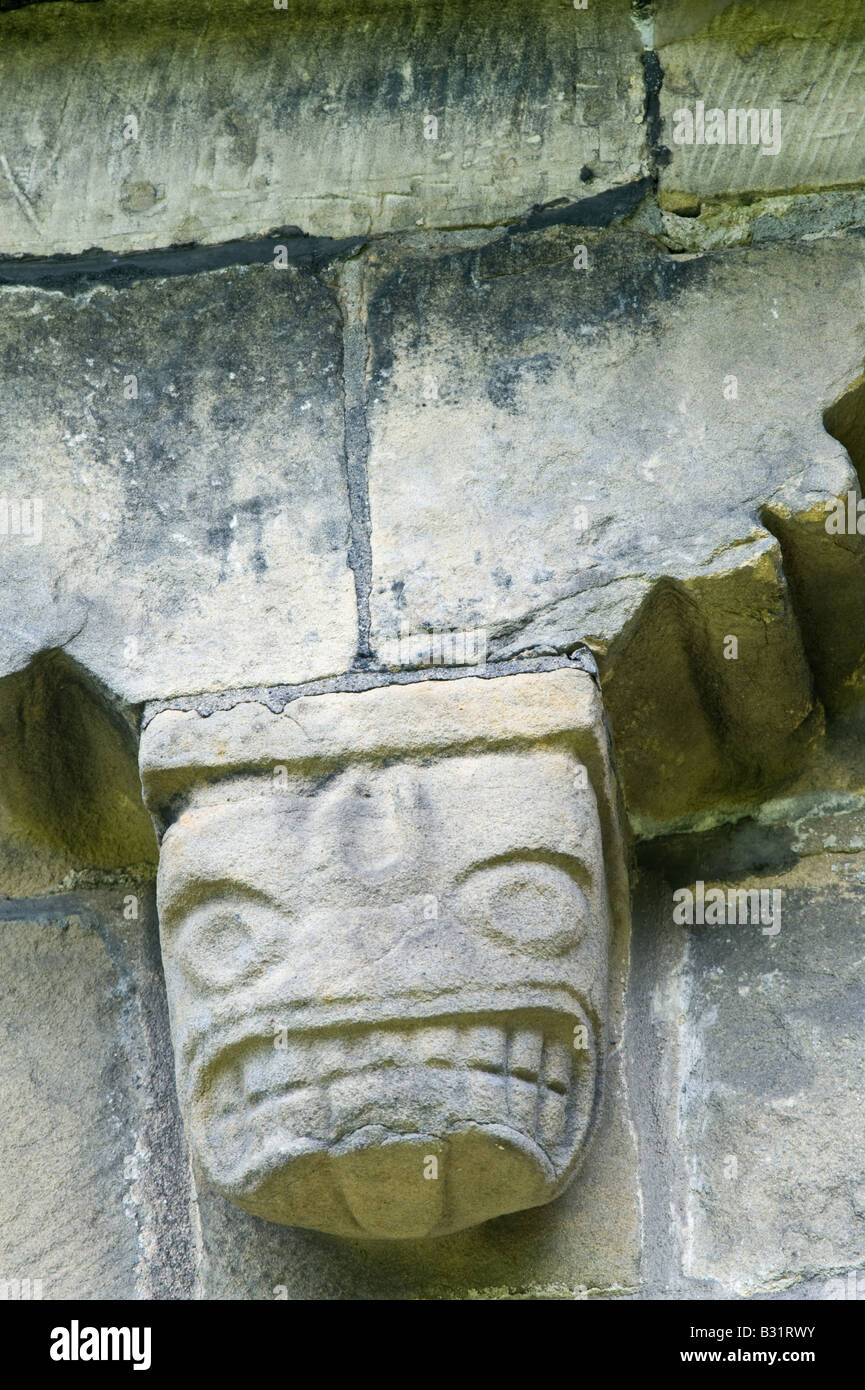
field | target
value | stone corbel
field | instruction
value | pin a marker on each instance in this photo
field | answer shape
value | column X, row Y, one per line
column 388, row 919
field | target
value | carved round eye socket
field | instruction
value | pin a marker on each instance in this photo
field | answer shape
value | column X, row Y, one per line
column 214, row 944
column 535, row 907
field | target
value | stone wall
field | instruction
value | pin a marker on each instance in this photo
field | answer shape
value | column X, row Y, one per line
column 333, row 338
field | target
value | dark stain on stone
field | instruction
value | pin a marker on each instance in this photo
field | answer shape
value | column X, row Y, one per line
column 228, row 528
column 599, row 210
column 724, row 853
column 71, row 274
column 653, row 76
column 501, row 298
column 508, row 376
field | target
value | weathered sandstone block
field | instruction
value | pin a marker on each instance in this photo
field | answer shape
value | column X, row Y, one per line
column 208, row 122
column 789, row 70
column 771, row 1081
column 632, row 450
column 180, row 446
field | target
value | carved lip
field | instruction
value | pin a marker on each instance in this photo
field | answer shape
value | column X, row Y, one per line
column 521, row 1070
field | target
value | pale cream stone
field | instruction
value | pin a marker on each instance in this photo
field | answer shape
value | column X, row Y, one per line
column 801, row 67
column 180, row 444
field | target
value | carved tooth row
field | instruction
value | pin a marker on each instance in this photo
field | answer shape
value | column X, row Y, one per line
column 525, row 1055
column 540, row 1074
column 525, row 1051
column 326, row 1110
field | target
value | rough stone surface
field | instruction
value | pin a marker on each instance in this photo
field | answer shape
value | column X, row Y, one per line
column 336, row 536
column 90, row 1137
column 752, row 221
column 399, row 1028
column 195, row 534
column 214, row 122
column 70, row 795
column 744, row 1053
column 550, row 431
column 772, row 1077
column 801, row 58
column 543, row 466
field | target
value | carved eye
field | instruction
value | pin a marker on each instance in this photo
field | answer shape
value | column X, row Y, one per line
column 214, row 944
column 531, row 906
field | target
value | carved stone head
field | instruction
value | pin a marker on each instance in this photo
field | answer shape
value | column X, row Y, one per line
column 386, row 921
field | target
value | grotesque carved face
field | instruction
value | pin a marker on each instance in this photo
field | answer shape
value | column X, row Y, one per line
column 388, row 974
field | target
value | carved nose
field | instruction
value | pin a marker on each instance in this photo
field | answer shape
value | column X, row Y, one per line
column 370, row 821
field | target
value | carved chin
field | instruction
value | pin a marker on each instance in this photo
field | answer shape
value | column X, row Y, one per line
column 404, row 1131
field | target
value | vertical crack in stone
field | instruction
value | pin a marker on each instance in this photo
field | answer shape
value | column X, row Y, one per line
column 349, row 285
column 652, row 1062
column 657, row 154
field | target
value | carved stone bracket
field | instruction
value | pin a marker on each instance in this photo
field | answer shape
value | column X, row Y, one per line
column 387, row 922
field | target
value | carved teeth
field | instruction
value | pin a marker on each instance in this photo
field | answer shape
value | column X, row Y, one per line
column 552, row 1119
column 524, row 1063
column 269, row 1070
column 327, row 1056
column 558, row 1064
column 483, row 1046
column 490, row 1074
column 439, row 1045
column 301, row 1111
column 227, row 1083
column 524, row 1054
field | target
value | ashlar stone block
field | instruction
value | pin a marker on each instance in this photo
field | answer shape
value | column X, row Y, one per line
column 760, row 97
column 630, row 450
column 176, row 449
column 771, row 1077
column 222, row 119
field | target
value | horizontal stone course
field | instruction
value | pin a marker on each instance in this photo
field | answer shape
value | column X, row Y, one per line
column 209, row 122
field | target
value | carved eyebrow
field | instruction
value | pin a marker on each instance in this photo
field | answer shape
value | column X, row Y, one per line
column 569, row 864
column 199, row 892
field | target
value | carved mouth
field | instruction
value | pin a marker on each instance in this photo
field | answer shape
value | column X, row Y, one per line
column 526, row 1075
